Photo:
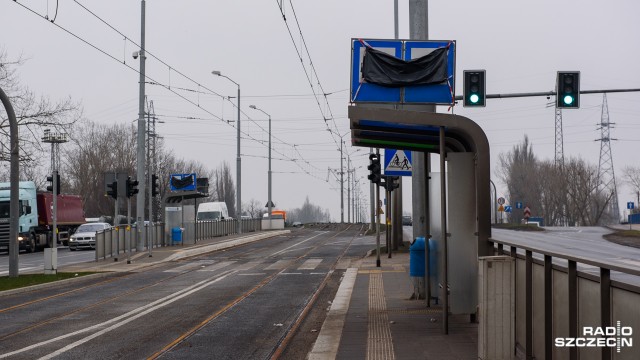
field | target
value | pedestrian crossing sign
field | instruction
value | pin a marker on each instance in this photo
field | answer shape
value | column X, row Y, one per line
column 397, row 162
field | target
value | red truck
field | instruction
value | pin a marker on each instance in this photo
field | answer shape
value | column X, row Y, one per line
column 35, row 221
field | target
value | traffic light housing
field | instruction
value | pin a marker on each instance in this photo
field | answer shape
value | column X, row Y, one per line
column 375, row 168
column 113, row 189
column 393, row 182
column 155, row 187
column 475, row 88
column 132, row 187
column 568, row 90
column 50, row 186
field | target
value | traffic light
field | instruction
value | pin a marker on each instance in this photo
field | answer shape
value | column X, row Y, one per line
column 375, row 168
column 393, row 182
column 475, row 88
column 568, row 89
column 50, row 186
column 113, row 189
column 155, row 187
column 131, row 187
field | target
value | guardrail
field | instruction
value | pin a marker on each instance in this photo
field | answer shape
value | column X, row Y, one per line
column 207, row 229
column 556, row 299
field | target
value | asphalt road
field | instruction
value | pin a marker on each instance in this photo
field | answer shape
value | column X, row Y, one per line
column 584, row 242
column 35, row 261
column 242, row 303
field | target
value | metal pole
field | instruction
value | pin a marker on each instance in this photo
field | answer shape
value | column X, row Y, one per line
column 445, row 250
column 128, row 232
column 495, row 201
column 348, row 192
column 140, row 158
column 378, row 207
column 388, row 232
column 151, row 121
column 341, row 186
column 238, row 171
column 269, row 204
column 373, row 202
column 14, row 177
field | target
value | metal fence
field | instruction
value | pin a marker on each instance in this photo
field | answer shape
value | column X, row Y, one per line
column 559, row 296
column 115, row 241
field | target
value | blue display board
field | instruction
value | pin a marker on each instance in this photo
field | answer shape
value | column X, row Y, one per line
column 182, row 182
column 362, row 92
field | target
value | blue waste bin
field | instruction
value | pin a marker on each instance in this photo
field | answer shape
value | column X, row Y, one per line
column 416, row 258
column 176, row 235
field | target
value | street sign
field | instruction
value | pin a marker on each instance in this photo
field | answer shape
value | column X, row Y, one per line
column 501, row 201
column 630, row 205
column 518, row 204
column 427, row 90
column 182, row 182
column 507, row 208
column 501, row 208
column 527, row 213
column 397, row 162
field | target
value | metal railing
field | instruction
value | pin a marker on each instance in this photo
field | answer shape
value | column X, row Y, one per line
column 559, row 294
column 207, row 229
column 113, row 242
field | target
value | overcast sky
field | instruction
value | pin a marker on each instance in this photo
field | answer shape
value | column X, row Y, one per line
column 520, row 44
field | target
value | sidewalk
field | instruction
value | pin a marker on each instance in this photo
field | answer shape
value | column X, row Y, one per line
column 380, row 322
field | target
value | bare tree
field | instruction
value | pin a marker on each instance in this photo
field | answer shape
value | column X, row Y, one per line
column 95, row 150
column 519, row 171
column 631, row 177
column 224, row 187
column 33, row 114
column 254, row 209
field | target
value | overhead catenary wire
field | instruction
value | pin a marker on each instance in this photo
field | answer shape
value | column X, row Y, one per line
column 155, row 82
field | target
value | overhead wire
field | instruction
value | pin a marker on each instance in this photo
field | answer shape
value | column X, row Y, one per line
column 153, row 81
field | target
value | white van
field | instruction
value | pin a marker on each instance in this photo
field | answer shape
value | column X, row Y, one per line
column 213, row 211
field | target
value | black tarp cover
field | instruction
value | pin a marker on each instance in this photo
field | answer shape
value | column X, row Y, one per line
column 386, row 70
column 182, row 183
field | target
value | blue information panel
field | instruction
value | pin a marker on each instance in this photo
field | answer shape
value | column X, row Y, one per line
column 397, row 162
column 437, row 93
column 407, row 50
column 364, row 92
column 630, row 205
column 507, row 208
column 182, row 182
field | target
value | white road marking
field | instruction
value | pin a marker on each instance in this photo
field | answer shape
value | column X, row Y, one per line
column 252, row 274
column 301, row 242
column 279, row 265
column 126, row 318
column 217, row 266
column 310, row 264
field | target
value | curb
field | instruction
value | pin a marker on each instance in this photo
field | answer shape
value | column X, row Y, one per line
column 180, row 254
column 328, row 341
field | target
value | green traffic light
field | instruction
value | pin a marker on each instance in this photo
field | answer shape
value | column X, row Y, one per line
column 568, row 99
column 474, row 98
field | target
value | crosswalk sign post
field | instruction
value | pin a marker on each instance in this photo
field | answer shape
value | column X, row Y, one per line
column 397, row 162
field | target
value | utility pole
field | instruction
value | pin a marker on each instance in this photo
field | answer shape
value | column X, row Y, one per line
column 55, row 139
column 140, row 156
column 151, row 152
column 606, row 175
column 419, row 30
column 341, row 185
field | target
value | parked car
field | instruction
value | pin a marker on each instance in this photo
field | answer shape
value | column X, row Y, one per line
column 85, row 235
column 406, row 220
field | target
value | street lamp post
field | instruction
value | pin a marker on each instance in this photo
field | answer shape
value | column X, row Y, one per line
column 238, row 161
column 269, row 203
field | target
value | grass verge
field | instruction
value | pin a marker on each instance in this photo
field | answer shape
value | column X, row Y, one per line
column 625, row 237
column 9, row 283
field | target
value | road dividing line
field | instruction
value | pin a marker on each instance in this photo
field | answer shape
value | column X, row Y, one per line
column 120, row 320
column 301, row 242
column 310, row 264
column 328, row 341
